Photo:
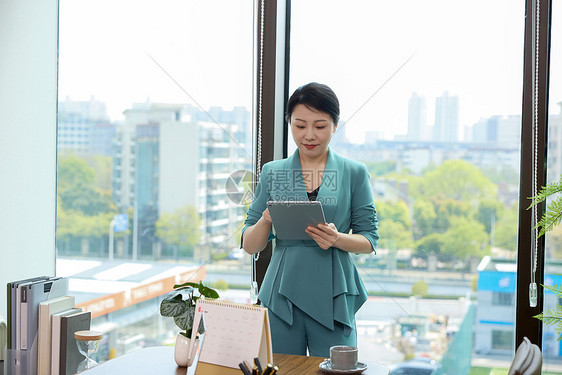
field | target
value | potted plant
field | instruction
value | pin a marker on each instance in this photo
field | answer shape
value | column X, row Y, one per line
column 550, row 219
column 180, row 305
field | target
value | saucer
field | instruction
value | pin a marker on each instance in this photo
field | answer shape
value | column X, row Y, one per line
column 326, row 366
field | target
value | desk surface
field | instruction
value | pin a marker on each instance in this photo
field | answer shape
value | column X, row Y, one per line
column 160, row 360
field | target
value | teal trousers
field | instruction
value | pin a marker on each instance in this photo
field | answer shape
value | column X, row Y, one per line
column 307, row 333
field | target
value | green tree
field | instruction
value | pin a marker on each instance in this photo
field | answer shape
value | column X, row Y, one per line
column 447, row 209
column 489, row 212
column 180, row 229
column 420, row 288
column 84, row 211
column 394, row 211
column 465, row 238
column 394, row 235
column 430, row 244
column 77, row 188
column 395, row 230
column 425, row 218
column 73, row 170
column 457, row 180
column 103, row 168
column 380, row 168
column 505, row 230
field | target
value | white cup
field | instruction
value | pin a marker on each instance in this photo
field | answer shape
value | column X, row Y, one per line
column 343, row 357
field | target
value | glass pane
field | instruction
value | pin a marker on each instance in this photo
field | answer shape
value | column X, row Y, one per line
column 552, row 348
column 430, row 95
column 154, row 145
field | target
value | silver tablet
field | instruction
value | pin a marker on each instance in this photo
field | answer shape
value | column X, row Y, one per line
column 290, row 219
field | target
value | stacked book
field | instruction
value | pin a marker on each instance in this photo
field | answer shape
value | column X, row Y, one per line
column 42, row 319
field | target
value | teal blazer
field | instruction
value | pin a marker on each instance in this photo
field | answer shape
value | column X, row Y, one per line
column 325, row 284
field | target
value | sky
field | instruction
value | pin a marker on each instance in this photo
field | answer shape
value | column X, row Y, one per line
column 201, row 52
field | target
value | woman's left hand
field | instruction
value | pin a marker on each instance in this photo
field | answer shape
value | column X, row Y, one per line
column 325, row 235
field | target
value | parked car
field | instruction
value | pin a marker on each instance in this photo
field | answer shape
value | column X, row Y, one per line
column 416, row 366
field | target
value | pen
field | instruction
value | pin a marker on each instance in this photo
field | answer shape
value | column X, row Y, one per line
column 244, row 369
column 257, row 362
column 255, row 370
column 248, row 366
column 268, row 369
column 275, row 369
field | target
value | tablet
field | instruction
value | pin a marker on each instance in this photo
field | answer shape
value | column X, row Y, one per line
column 291, row 218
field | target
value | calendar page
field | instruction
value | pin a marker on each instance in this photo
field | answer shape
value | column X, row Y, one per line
column 234, row 333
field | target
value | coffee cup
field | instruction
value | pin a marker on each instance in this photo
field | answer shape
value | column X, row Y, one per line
column 343, row 357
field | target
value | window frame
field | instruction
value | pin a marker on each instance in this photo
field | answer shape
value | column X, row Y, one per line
column 274, row 53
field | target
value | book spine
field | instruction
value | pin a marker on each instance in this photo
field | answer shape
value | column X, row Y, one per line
column 9, row 318
column 23, row 317
column 55, row 344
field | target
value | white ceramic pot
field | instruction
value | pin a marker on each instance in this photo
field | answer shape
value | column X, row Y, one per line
column 180, row 352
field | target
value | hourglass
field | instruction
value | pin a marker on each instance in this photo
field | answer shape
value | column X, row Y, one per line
column 88, row 343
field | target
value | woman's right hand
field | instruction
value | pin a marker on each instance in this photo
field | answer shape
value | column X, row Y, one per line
column 266, row 216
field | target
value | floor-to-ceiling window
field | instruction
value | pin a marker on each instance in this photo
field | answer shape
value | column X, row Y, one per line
column 430, row 97
column 154, row 143
column 553, row 256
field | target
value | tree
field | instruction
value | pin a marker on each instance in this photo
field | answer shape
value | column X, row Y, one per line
column 425, row 217
column 395, row 230
column 394, row 211
column 102, row 166
column 72, row 170
column 420, row 288
column 77, row 188
column 465, row 238
column 430, row 244
column 447, row 209
column 489, row 212
column 84, row 211
column 457, row 180
column 505, row 231
column 380, row 168
column 180, row 228
column 394, row 235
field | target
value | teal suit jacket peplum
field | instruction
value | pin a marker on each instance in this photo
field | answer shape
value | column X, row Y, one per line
column 325, row 284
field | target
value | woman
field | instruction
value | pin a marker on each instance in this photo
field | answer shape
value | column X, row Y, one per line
column 312, row 288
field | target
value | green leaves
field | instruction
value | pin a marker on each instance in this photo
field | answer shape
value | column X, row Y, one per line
column 553, row 317
column 202, row 289
column 553, row 214
column 185, row 319
column 174, row 306
column 551, row 217
column 180, row 305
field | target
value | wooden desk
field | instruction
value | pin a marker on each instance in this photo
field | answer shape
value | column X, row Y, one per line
column 160, row 360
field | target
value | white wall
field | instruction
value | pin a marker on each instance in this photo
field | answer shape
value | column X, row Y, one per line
column 28, row 107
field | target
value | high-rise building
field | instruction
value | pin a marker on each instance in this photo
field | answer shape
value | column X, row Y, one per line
column 504, row 130
column 166, row 160
column 446, row 128
column 417, row 118
column 555, row 146
column 84, row 128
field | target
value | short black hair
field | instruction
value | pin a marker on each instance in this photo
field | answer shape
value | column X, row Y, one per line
column 315, row 96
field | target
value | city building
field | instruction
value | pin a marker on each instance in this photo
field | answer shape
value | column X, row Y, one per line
column 555, row 145
column 417, row 118
column 446, row 126
column 503, row 130
column 158, row 140
column 495, row 315
column 84, row 128
column 416, row 156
